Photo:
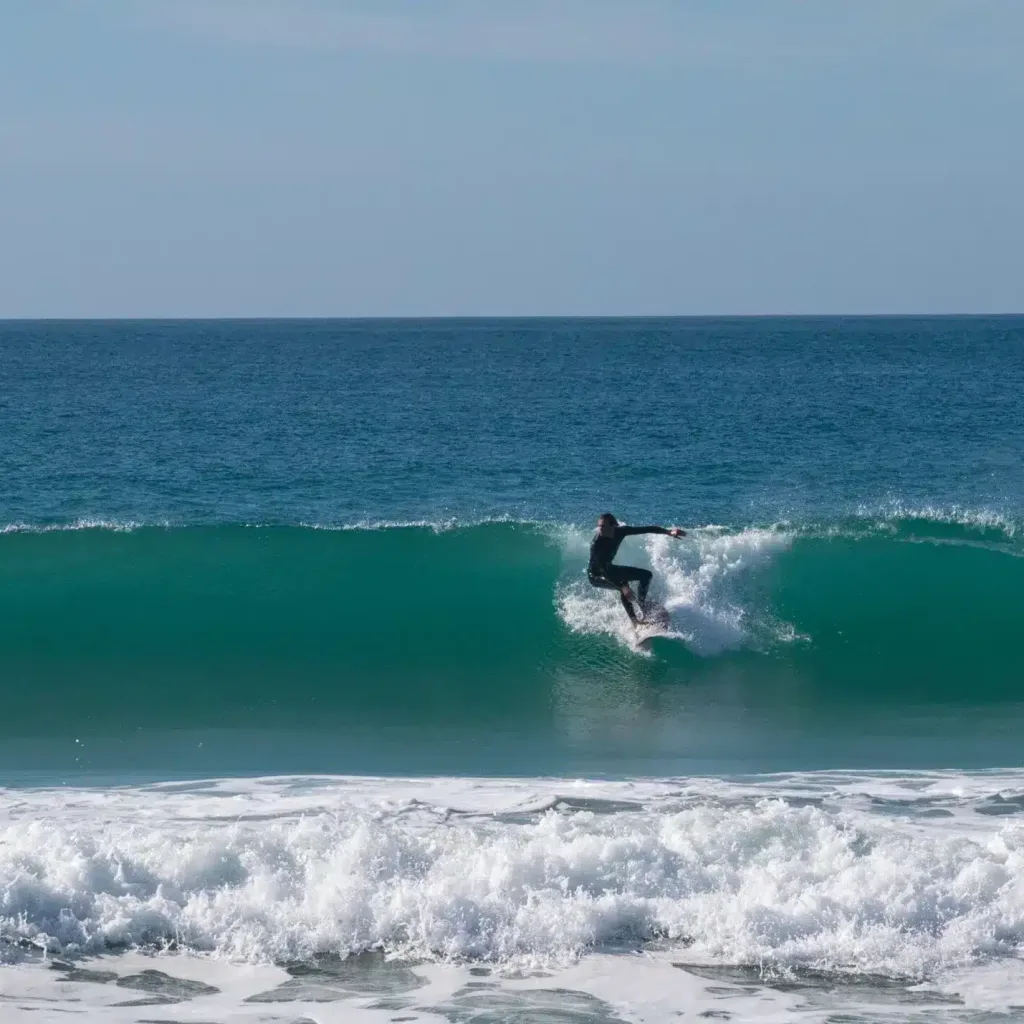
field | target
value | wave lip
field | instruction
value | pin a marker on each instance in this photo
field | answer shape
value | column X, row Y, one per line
column 894, row 518
column 85, row 523
column 740, row 874
column 896, row 512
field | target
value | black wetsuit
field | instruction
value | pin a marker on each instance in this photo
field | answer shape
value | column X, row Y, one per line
column 602, row 573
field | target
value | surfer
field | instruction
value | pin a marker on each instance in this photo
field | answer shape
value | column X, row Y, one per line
column 602, row 573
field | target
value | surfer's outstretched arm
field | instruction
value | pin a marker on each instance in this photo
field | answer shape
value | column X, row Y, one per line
column 671, row 531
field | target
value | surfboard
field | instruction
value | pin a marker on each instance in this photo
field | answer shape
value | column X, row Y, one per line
column 655, row 623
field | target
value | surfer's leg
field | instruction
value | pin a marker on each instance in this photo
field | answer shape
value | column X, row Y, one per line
column 616, row 580
column 626, row 597
column 642, row 577
column 644, row 586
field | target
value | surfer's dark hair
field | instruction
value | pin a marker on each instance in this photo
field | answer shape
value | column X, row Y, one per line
column 610, row 517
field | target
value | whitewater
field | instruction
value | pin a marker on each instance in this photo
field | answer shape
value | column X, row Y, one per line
column 797, row 881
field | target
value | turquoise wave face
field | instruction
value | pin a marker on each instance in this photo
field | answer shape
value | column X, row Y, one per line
column 493, row 629
column 224, row 626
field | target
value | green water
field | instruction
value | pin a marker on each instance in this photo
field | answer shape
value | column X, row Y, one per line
column 427, row 647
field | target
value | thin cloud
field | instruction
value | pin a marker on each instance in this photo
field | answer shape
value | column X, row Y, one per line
column 979, row 36
column 566, row 31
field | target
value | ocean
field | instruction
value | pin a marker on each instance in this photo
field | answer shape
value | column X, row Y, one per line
column 309, row 713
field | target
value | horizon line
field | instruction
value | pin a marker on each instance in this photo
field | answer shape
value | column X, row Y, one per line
column 477, row 317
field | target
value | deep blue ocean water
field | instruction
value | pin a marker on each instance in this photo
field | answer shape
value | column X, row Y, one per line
column 734, row 421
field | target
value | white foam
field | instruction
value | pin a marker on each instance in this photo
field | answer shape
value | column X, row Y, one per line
column 892, row 874
column 130, row 525
column 700, row 579
column 434, row 525
column 599, row 990
column 86, row 523
column 894, row 511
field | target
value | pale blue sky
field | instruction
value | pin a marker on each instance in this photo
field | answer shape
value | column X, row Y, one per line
column 452, row 157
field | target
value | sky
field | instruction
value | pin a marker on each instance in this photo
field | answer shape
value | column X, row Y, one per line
column 193, row 158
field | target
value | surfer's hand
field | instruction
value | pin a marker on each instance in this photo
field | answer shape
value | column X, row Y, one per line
column 676, row 532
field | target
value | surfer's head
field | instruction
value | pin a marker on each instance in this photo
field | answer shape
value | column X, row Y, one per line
column 606, row 524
